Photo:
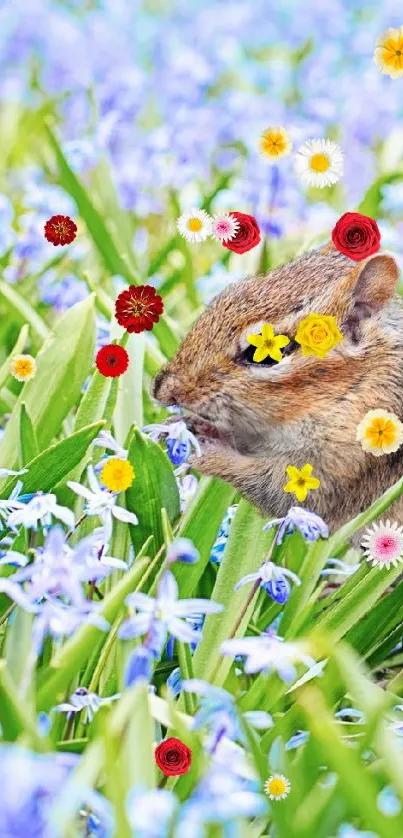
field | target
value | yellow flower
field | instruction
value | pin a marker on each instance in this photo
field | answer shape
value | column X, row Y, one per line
column 23, row 367
column 274, row 143
column 388, row 53
column 268, row 344
column 301, row 481
column 318, row 334
column 117, row 474
column 277, row 787
column 380, row 432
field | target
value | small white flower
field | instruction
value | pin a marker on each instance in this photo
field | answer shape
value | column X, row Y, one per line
column 106, row 440
column 383, row 544
column 225, row 227
column 101, row 502
column 195, row 225
column 277, row 787
column 40, row 510
column 319, row 163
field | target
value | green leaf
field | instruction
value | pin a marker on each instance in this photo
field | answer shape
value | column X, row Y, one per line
column 17, row 349
column 200, row 524
column 96, row 226
column 245, row 551
column 62, row 366
column 14, row 716
column 154, row 487
column 46, row 470
column 28, row 446
column 24, row 311
column 372, row 200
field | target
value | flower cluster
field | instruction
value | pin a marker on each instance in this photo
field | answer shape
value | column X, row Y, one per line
column 317, row 334
column 236, row 231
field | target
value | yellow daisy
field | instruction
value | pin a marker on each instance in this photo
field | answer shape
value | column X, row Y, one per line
column 117, row 474
column 301, row 481
column 274, row 144
column 23, row 367
column 388, row 55
column 380, row 432
column 268, row 345
column 277, row 787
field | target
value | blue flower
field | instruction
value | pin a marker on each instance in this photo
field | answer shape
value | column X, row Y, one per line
column 222, row 535
column 151, row 813
column 166, row 612
column 273, row 579
column 179, row 440
column 177, row 451
column 220, row 715
column 63, row 294
column 139, row 666
column 308, row 523
column 183, row 550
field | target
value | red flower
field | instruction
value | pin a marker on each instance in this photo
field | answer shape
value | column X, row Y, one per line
column 356, row 235
column 248, row 234
column 173, row 757
column 112, row 360
column 138, row 308
column 60, row 229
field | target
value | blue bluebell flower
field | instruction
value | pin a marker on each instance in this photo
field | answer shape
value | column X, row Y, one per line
column 218, row 712
column 166, row 612
column 308, row 523
column 139, row 666
column 179, row 440
column 82, row 700
column 63, row 293
column 274, row 580
column 222, row 535
column 183, row 550
column 268, row 652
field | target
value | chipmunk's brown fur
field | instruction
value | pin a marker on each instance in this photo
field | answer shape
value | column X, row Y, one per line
column 254, row 421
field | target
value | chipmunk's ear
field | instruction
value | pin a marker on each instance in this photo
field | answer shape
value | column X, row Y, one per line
column 374, row 285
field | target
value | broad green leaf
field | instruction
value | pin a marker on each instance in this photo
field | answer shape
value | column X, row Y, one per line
column 14, row 716
column 200, row 524
column 372, row 200
column 154, row 487
column 24, row 311
column 28, row 446
column 49, row 467
column 245, row 551
column 63, row 364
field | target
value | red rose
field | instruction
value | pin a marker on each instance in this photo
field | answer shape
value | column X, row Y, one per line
column 248, row 234
column 138, row 308
column 173, row 757
column 60, row 229
column 356, row 235
column 112, row 360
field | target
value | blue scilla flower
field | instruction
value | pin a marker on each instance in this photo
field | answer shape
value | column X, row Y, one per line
column 177, row 451
column 310, row 525
column 62, row 294
column 183, row 550
column 218, row 712
column 273, row 579
column 179, row 440
column 222, row 535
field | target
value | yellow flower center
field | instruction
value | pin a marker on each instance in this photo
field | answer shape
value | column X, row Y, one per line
column 276, row 786
column 381, row 432
column 194, row 224
column 319, row 162
column 319, row 334
column 273, row 144
column 117, row 475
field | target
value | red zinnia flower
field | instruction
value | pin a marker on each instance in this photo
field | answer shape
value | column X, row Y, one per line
column 112, row 360
column 173, row 757
column 60, row 229
column 138, row 308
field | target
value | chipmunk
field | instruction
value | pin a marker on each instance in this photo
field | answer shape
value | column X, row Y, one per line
column 254, row 419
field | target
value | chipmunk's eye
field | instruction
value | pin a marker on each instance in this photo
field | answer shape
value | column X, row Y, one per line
column 246, row 357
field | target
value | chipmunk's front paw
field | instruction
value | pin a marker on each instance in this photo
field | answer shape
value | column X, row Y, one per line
column 215, row 460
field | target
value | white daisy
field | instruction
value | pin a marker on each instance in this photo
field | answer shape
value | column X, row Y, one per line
column 383, row 544
column 225, row 227
column 319, row 163
column 277, row 787
column 195, row 225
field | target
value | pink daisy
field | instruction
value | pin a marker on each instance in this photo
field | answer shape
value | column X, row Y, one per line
column 383, row 544
column 225, row 227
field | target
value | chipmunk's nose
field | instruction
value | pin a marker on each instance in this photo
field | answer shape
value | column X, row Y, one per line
column 163, row 387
